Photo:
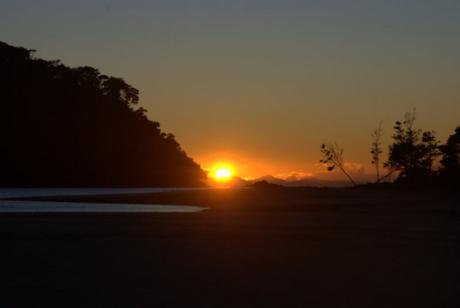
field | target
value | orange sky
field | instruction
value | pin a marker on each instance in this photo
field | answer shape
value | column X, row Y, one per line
column 263, row 83
column 254, row 167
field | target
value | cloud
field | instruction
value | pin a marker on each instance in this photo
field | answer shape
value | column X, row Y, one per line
column 356, row 170
column 295, row 175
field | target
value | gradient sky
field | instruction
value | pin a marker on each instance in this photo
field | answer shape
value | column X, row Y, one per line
column 262, row 83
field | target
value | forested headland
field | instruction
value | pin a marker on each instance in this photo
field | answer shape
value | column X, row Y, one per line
column 62, row 126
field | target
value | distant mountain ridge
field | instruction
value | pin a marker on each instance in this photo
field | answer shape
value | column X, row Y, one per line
column 302, row 182
column 289, row 182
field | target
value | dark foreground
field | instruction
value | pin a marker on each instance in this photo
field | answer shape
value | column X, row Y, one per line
column 275, row 247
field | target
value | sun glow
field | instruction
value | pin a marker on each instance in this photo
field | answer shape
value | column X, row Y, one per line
column 222, row 172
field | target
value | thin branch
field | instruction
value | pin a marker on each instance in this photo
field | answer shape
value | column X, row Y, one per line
column 333, row 158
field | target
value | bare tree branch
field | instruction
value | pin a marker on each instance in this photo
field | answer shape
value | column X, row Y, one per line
column 376, row 149
column 333, row 158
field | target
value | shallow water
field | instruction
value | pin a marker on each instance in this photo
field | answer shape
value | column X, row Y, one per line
column 19, row 206
column 9, row 193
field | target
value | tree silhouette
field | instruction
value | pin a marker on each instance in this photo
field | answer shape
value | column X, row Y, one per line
column 413, row 152
column 333, row 158
column 376, row 149
column 450, row 161
column 64, row 126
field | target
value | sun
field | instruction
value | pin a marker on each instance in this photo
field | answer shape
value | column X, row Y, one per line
column 222, row 172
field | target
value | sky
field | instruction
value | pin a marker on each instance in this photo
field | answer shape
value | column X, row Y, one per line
column 262, row 84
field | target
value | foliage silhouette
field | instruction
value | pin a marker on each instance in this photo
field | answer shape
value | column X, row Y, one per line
column 450, row 171
column 376, row 149
column 413, row 152
column 413, row 156
column 62, row 126
column 333, row 158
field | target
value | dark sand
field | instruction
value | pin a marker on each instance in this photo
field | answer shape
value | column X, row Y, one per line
column 252, row 248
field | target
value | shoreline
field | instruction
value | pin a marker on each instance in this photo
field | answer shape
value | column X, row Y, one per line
column 263, row 248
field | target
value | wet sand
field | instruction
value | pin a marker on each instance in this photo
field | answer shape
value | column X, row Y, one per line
column 252, row 248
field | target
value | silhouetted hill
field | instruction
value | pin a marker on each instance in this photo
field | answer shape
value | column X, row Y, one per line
column 263, row 184
column 62, row 126
column 303, row 182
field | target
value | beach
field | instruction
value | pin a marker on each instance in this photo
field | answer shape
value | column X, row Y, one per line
column 250, row 248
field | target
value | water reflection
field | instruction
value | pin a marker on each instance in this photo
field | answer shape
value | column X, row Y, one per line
column 19, row 206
